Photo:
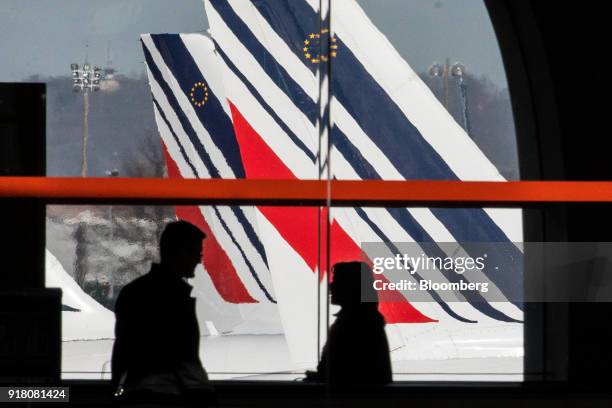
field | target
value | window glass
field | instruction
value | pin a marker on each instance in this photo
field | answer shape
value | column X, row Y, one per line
column 419, row 92
column 231, row 89
column 452, row 48
column 453, row 307
column 40, row 40
column 256, row 287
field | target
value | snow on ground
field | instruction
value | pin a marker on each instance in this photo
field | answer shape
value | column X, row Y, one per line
column 266, row 357
column 90, row 320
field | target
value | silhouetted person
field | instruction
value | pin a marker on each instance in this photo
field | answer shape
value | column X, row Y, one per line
column 157, row 338
column 357, row 350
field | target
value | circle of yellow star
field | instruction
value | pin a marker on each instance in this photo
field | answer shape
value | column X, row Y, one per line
column 312, row 55
column 192, row 94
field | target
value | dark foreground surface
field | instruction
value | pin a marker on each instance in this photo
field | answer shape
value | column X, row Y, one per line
column 296, row 394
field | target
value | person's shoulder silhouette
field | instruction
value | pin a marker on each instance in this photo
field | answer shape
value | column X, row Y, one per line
column 156, row 331
column 357, row 350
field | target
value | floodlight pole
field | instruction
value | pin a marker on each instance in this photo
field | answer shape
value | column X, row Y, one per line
column 464, row 102
column 445, row 77
column 85, row 79
column 111, row 290
column 457, row 70
column 85, row 133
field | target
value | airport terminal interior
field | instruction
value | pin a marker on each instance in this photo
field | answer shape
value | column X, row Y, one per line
column 456, row 149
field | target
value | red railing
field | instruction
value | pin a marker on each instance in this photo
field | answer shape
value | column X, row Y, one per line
column 64, row 190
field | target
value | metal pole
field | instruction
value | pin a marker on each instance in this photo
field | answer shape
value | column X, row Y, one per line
column 464, row 100
column 85, row 133
column 111, row 291
column 446, row 74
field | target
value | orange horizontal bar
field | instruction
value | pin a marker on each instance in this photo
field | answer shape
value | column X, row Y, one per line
column 55, row 190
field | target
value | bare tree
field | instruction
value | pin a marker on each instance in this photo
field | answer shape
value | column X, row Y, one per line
column 149, row 162
column 132, row 224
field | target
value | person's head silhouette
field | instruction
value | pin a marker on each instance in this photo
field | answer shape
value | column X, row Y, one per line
column 180, row 248
column 352, row 285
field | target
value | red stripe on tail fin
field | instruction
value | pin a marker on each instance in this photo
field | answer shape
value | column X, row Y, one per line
column 298, row 225
column 215, row 260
